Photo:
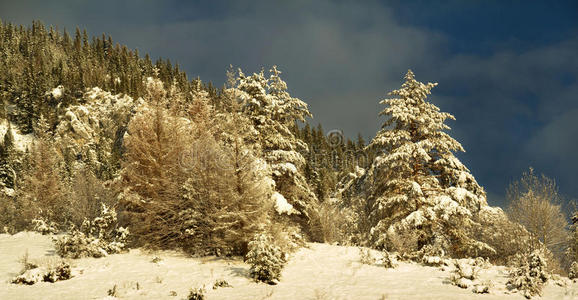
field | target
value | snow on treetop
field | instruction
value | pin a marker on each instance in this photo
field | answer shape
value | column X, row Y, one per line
column 281, row 204
column 56, row 92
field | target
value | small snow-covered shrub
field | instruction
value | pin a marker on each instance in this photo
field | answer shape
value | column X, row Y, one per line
column 365, row 256
column 47, row 271
column 464, row 274
column 266, row 259
column 221, row 283
column 196, row 294
column 29, row 277
column 433, row 261
column 44, row 227
column 573, row 273
column 26, row 263
column 97, row 238
column 386, row 260
column 481, row 289
column 60, row 272
column 530, row 276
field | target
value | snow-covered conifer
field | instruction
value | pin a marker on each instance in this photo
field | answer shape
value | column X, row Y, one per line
column 266, row 259
column 530, row 277
column 417, row 182
column 272, row 111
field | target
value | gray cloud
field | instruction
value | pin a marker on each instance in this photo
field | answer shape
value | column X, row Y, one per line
column 343, row 57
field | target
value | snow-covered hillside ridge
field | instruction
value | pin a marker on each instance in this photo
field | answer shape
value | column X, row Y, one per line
column 319, row 271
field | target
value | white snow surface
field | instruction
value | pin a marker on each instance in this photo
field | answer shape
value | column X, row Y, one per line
column 319, row 271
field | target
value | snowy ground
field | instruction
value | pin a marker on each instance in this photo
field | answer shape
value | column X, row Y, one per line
column 318, row 272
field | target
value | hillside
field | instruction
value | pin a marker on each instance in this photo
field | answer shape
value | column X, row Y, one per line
column 114, row 154
column 319, row 271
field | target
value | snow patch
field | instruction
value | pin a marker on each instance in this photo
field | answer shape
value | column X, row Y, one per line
column 56, row 92
column 281, row 204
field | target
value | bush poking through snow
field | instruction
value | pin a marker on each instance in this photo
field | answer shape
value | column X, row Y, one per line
column 41, row 226
column 573, row 274
column 97, row 238
column 26, row 263
column 51, row 272
column 464, row 275
column 432, row 261
column 481, row 289
column 221, row 284
column 365, row 256
column 112, row 292
column 266, row 259
column 125, row 289
column 60, row 272
column 386, row 260
column 196, row 294
column 530, row 277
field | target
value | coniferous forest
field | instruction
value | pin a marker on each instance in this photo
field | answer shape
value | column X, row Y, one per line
column 106, row 150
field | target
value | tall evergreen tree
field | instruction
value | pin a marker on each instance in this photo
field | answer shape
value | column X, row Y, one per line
column 418, row 185
column 272, row 111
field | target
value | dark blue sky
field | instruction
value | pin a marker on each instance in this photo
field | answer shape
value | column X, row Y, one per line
column 506, row 69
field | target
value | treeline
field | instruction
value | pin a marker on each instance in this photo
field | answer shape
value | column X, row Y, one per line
column 184, row 164
column 37, row 59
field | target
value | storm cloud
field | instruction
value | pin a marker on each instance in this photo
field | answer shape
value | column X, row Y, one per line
column 511, row 83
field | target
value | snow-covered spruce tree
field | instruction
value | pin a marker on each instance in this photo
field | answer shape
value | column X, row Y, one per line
column 418, row 185
column 266, row 259
column 272, row 111
column 7, row 156
column 531, row 275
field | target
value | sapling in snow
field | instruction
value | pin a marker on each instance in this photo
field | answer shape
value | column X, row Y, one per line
column 266, row 259
column 530, row 276
column 96, row 238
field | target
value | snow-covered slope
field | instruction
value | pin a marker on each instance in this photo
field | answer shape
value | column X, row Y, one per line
column 318, row 272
